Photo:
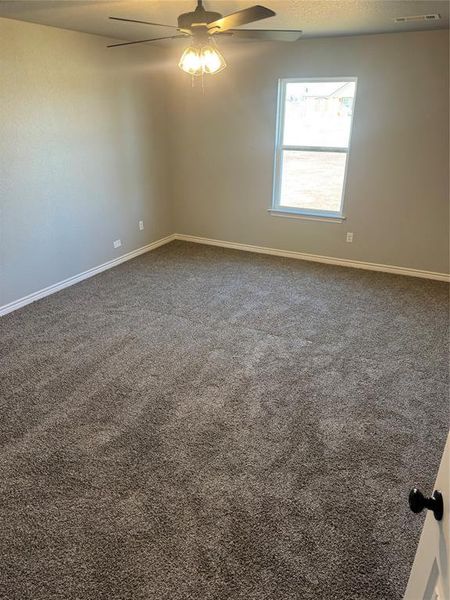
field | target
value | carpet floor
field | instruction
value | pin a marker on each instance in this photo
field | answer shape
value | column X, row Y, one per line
column 207, row 424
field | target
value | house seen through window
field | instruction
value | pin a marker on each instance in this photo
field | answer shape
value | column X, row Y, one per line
column 313, row 136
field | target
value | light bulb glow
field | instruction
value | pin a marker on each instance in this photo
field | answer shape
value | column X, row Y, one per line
column 190, row 61
column 212, row 60
column 197, row 60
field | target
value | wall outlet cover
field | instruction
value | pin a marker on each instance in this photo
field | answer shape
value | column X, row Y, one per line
column 141, row 225
column 117, row 243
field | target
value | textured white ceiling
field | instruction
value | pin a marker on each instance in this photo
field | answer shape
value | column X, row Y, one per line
column 316, row 18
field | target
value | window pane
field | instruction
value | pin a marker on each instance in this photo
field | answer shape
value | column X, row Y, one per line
column 312, row 180
column 318, row 113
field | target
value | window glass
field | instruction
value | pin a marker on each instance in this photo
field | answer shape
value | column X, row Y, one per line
column 314, row 125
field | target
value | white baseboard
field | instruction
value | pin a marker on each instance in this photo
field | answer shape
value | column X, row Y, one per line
column 51, row 289
column 342, row 262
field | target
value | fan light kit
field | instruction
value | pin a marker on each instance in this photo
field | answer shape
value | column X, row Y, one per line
column 204, row 27
column 197, row 60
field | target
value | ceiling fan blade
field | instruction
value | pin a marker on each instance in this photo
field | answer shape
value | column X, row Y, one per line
column 144, row 22
column 170, row 37
column 242, row 17
column 270, row 35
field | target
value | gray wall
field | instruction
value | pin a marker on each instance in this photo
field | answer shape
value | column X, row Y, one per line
column 83, row 153
column 93, row 140
column 397, row 186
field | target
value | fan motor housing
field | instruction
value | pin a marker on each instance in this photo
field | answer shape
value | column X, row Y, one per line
column 186, row 20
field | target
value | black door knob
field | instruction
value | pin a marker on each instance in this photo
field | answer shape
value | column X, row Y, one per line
column 417, row 502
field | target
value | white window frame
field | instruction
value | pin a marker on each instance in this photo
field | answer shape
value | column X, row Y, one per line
column 276, row 208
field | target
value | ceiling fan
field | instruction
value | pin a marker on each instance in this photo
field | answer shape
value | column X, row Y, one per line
column 203, row 27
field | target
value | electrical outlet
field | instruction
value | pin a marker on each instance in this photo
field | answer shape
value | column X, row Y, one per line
column 141, row 225
column 349, row 236
column 117, row 244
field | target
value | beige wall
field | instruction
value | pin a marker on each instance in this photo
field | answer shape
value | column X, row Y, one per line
column 83, row 153
column 397, row 185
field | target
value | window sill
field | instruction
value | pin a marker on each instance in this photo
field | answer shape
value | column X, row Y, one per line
column 293, row 214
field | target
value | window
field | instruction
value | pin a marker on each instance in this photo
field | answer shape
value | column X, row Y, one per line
column 313, row 136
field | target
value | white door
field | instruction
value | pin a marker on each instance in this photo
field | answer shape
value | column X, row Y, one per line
column 429, row 578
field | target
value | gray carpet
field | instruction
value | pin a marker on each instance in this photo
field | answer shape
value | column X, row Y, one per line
column 201, row 423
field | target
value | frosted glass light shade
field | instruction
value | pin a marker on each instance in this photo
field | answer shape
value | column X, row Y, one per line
column 197, row 60
column 212, row 60
column 190, row 61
